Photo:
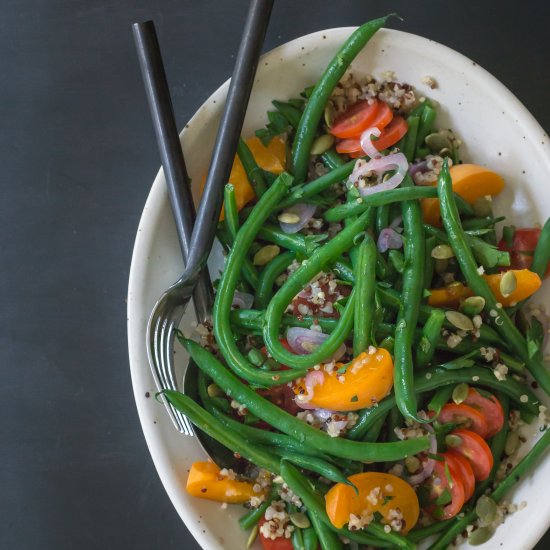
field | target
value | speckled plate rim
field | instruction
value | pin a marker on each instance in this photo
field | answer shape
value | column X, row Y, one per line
column 138, row 311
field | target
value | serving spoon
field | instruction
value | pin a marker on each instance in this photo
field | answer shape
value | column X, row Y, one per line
column 195, row 243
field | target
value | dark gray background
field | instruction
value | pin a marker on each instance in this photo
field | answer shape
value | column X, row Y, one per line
column 78, row 158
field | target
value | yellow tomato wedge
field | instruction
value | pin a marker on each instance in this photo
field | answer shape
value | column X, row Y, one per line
column 389, row 495
column 471, row 182
column 205, row 481
column 527, row 283
column 271, row 158
column 365, row 382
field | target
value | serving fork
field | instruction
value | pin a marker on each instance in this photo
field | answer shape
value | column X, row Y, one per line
column 196, row 242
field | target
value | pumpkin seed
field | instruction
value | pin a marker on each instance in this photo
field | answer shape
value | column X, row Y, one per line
column 452, row 440
column 329, row 114
column 437, row 141
column 442, row 252
column 288, row 217
column 266, row 254
column 483, row 207
column 512, row 443
column 321, row 144
column 252, row 536
column 446, row 152
column 460, row 393
column 300, row 520
column 480, row 535
column 215, row 391
column 508, row 283
column 459, row 320
column 473, row 305
column 486, row 510
column 412, row 464
column 441, row 266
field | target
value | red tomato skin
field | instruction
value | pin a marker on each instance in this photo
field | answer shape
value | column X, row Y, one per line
column 356, row 119
column 476, row 422
column 476, row 450
column 523, row 245
column 457, row 489
column 464, row 469
column 490, row 408
column 278, row 544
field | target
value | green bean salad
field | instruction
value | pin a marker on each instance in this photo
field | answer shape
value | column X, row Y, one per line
column 373, row 351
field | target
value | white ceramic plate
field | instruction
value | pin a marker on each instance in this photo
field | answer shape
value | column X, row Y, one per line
column 497, row 131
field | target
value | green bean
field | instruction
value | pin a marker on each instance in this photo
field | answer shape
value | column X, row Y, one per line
column 291, row 113
column 294, row 284
column 503, row 487
column 441, row 397
column 230, row 439
column 480, row 223
column 431, row 333
column 464, row 208
column 256, row 435
column 286, row 423
column 226, row 288
column 429, row 262
column 332, row 159
column 407, row 317
column 503, row 324
column 436, row 378
column 358, row 206
column 328, row 539
column 314, row 464
column 409, row 140
column 307, row 128
column 253, row 171
column 297, row 539
column 427, row 119
column 397, row 260
column 373, row 535
column 542, row 251
column 394, row 420
column 293, row 241
column 421, row 533
column 364, row 295
column 311, row 541
column 256, row 514
column 277, row 266
column 373, row 433
column 231, row 213
column 382, row 217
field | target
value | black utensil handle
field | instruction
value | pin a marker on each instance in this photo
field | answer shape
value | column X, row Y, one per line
column 229, row 131
column 173, row 163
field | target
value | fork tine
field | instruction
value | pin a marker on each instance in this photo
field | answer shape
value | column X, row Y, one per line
column 153, row 352
column 168, row 364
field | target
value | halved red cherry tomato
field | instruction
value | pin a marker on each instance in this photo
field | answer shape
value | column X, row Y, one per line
column 523, row 246
column 474, row 448
column 445, row 476
column 390, row 136
column 280, row 543
column 489, row 407
column 392, row 133
column 465, row 416
column 356, row 119
column 462, row 465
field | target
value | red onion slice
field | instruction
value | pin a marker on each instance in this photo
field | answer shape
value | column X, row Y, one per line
column 429, row 463
column 417, row 167
column 396, row 161
column 389, row 238
column 303, row 211
column 303, row 341
column 242, row 300
column 366, row 142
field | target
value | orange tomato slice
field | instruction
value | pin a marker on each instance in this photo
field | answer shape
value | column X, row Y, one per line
column 365, row 382
column 205, row 481
column 471, row 182
column 386, row 494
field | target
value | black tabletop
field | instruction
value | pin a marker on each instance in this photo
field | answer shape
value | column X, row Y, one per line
column 78, row 158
